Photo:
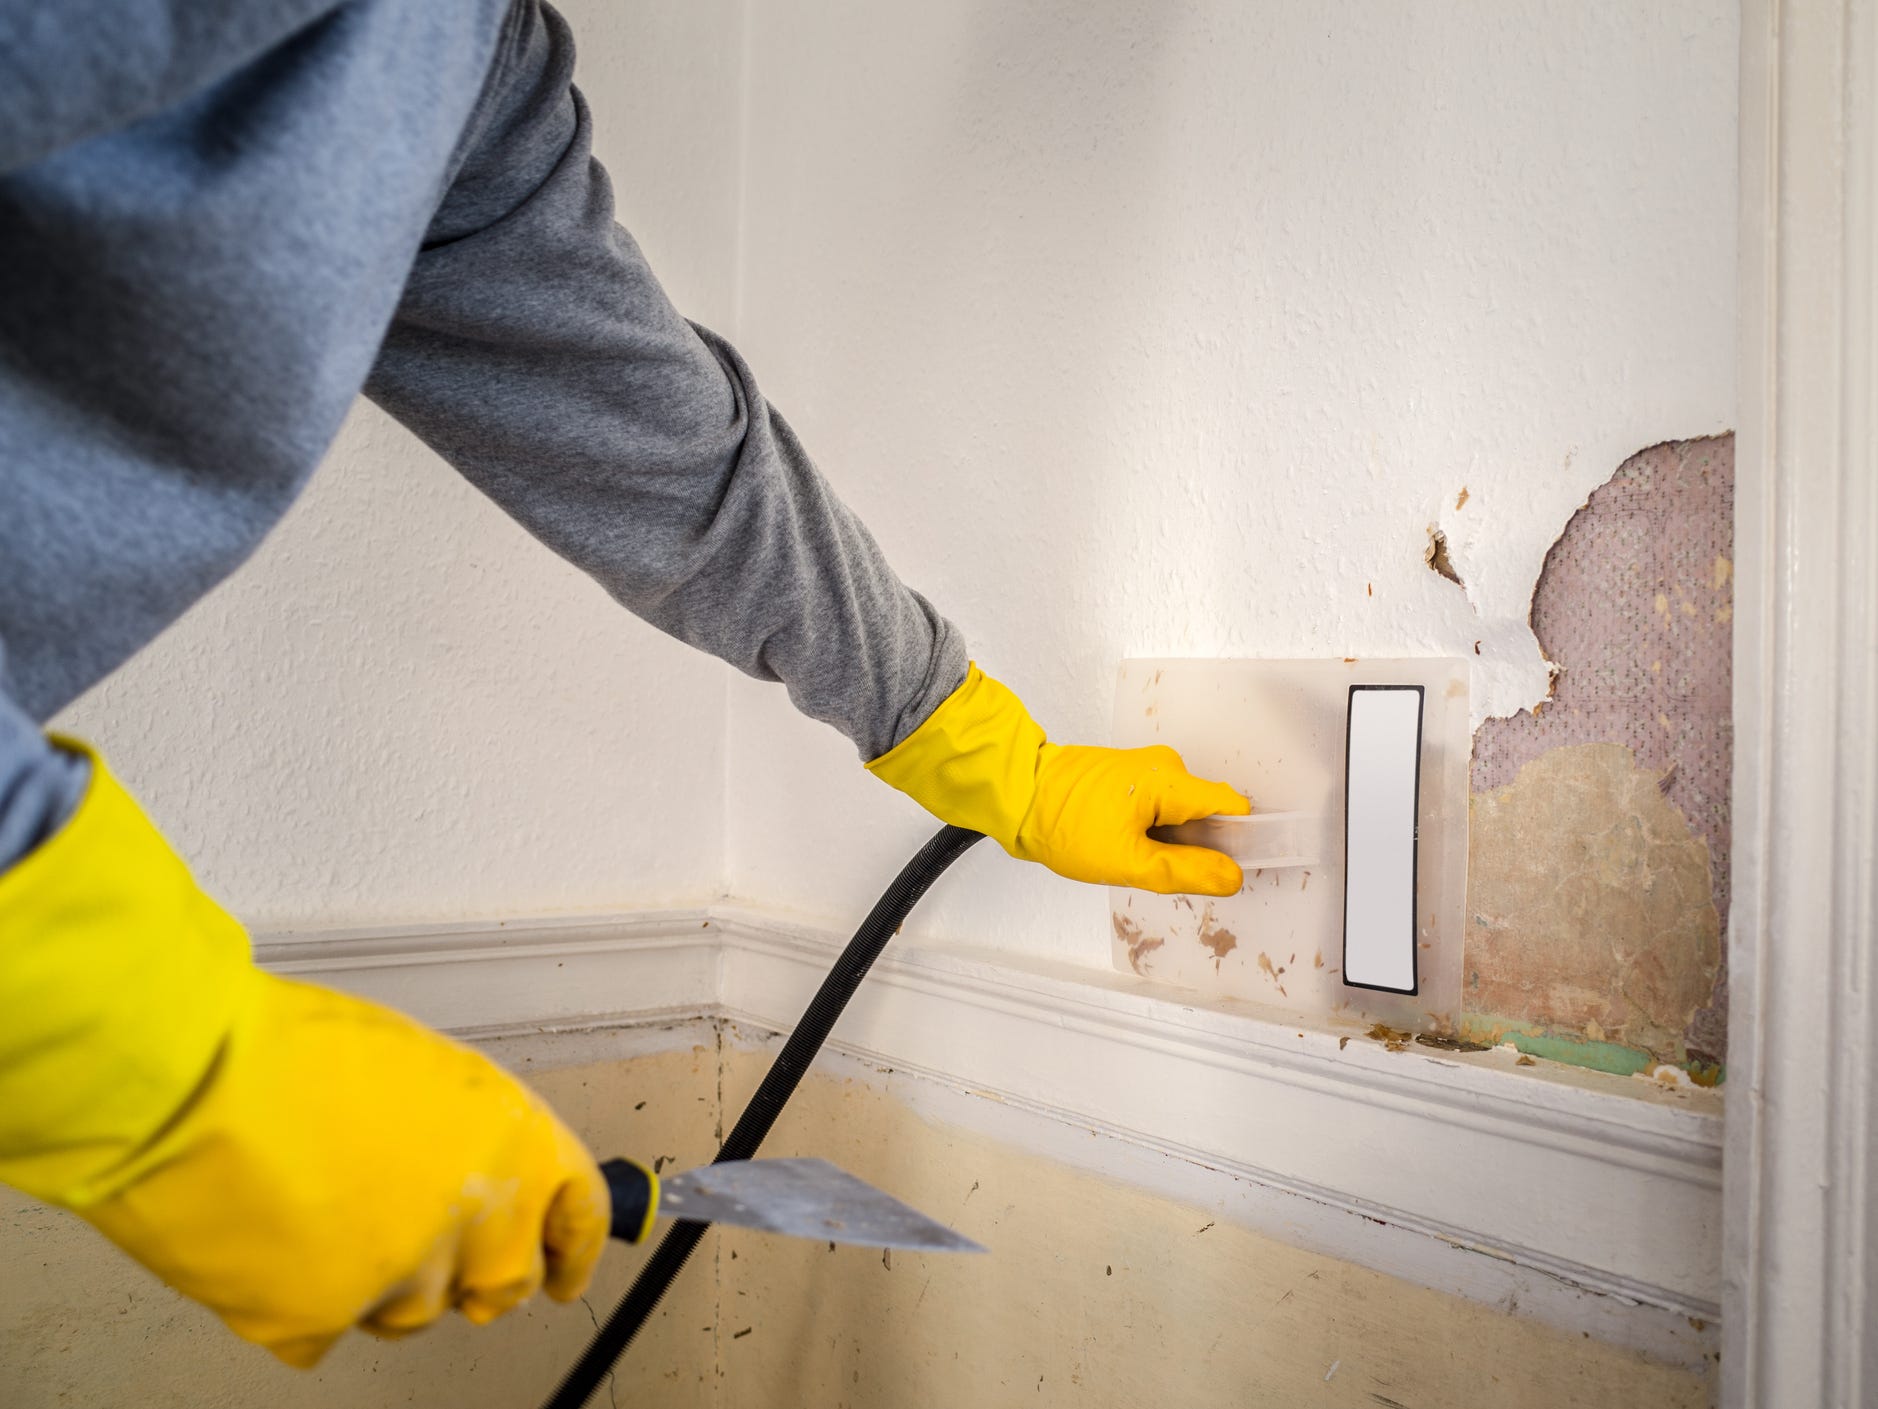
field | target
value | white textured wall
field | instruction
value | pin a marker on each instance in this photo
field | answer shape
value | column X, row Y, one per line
column 1130, row 329
column 1169, row 329
column 405, row 708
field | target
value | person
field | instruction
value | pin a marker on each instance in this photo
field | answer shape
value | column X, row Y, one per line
column 220, row 220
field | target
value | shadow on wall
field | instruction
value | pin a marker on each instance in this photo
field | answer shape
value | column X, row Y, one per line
column 1599, row 825
column 1052, row 135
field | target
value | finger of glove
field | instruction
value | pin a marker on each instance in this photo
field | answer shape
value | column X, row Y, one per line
column 503, row 1264
column 417, row 1302
column 484, row 1305
column 1188, row 870
column 302, row 1352
column 574, row 1233
column 1184, row 797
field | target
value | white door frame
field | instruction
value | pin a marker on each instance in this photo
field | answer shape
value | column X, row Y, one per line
column 1801, row 1174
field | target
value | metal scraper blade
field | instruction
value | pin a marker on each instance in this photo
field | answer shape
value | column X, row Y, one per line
column 803, row 1198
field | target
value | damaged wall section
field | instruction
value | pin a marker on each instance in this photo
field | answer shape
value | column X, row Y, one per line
column 1599, row 824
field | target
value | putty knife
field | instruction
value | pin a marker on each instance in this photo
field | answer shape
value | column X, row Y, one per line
column 803, row 1198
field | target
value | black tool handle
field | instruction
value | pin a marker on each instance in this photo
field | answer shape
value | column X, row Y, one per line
column 635, row 1191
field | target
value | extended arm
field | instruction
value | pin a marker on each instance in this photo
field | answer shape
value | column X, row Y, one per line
column 537, row 353
column 187, row 306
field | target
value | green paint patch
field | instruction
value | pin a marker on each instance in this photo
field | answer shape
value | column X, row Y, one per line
column 1583, row 1052
column 1612, row 1057
column 1577, row 1051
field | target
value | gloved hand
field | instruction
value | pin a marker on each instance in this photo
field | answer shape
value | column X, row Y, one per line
column 980, row 761
column 297, row 1160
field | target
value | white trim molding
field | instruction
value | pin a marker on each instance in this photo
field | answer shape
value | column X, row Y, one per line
column 519, row 975
column 1463, row 1149
column 1589, row 1201
column 1801, row 1252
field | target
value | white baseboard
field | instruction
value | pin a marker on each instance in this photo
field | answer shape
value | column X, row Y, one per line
column 520, row 975
column 1589, row 1201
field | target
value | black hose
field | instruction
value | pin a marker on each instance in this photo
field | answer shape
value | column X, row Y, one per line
column 779, row 1084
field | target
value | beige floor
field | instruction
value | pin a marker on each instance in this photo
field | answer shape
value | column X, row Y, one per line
column 1094, row 1294
column 1097, row 1295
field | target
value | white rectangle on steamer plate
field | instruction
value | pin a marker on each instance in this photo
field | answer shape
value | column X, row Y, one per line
column 1382, row 786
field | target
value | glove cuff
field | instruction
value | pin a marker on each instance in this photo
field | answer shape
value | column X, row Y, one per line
column 119, row 979
column 974, row 761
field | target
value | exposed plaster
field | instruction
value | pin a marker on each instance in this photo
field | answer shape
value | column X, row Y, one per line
column 1589, row 905
column 1634, row 609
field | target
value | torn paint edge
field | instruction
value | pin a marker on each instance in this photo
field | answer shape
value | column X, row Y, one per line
column 1613, row 1058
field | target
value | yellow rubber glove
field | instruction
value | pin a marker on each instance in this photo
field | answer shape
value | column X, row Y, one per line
column 981, row 761
column 296, row 1160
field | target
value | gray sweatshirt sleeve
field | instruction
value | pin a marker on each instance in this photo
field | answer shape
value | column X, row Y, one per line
column 534, row 350
column 40, row 784
column 79, row 68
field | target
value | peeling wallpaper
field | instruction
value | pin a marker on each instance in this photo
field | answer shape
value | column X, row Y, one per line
column 1635, row 610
